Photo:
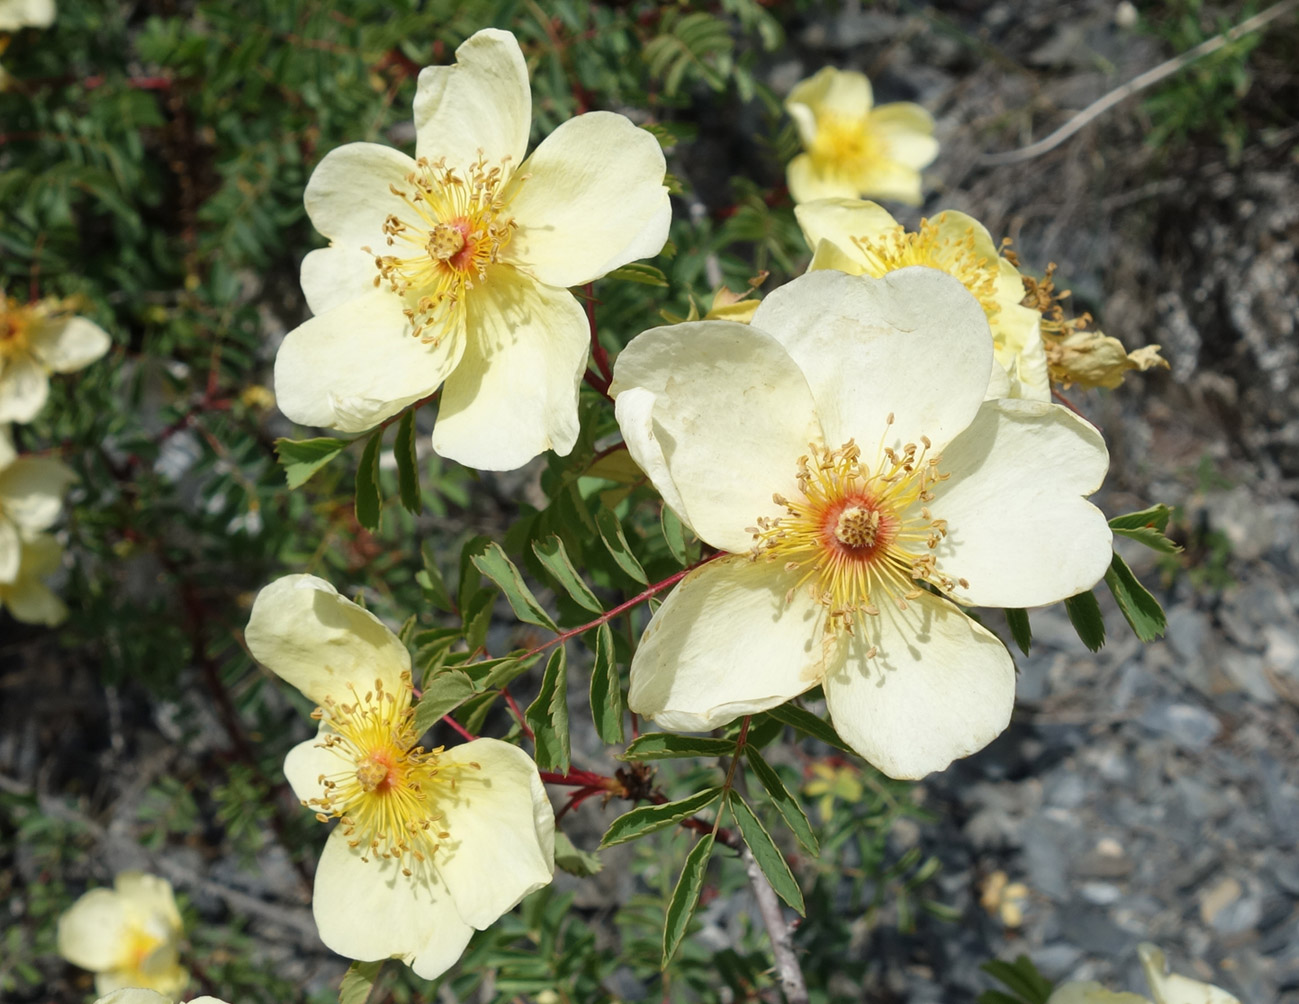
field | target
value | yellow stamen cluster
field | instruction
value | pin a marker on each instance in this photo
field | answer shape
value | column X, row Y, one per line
column 956, row 256
column 455, row 227
column 385, row 793
column 861, row 533
column 845, row 142
column 15, row 324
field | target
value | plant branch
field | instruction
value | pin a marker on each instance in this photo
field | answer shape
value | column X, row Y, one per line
column 788, row 971
column 609, row 615
column 518, row 714
column 1138, row 84
column 598, row 351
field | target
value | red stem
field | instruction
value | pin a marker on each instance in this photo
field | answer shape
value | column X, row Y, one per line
column 459, row 728
column 639, row 598
column 600, row 385
column 597, row 350
column 518, row 715
column 1066, row 402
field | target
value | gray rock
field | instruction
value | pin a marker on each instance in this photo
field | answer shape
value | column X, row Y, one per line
column 1065, row 790
column 1190, row 727
column 1248, row 525
column 1282, row 800
column 1092, row 930
column 1056, row 961
column 1285, row 871
column 1100, row 893
column 1247, row 671
column 1046, row 856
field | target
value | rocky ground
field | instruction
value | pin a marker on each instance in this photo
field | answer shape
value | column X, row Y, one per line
column 1143, row 792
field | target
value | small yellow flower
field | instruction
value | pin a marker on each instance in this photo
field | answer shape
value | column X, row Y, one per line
column 128, row 936
column 852, row 148
column 15, row 14
column 1165, row 987
column 1004, row 899
column 831, row 782
column 862, row 238
column 430, row 844
column 37, row 339
column 451, row 269
column 257, row 397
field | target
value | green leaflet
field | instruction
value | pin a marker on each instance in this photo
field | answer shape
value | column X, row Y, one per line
column 301, row 458
column 648, row 818
column 547, row 716
column 685, row 897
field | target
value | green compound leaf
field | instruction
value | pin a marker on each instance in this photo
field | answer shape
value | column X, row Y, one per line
column 766, row 853
column 548, row 715
column 611, row 533
column 606, row 689
column 667, row 745
column 368, row 502
column 301, row 458
column 809, row 724
column 1019, row 628
column 649, row 818
column 552, row 553
column 785, row 803
column 407, row 466
column 358, row 981
column 685, row 897
column 445, row 692
column 1137, row 605
column 1085, row 615
column 493, row 562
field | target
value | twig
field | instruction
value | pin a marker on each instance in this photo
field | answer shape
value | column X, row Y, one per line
column 518, row 714
column 639, row 598
column 788, row 971
column 1138, row 84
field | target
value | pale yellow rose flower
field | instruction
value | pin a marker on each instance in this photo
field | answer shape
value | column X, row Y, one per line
column 15, row 14
column 31, row 498
column 451, row 269
column 27, row 597
column 430, row 844
column 840, row 452
column 37, row 339
column 853, row 148
column 862, row 238
column 128, row 936
column 134, row 995
column 1165, row 987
